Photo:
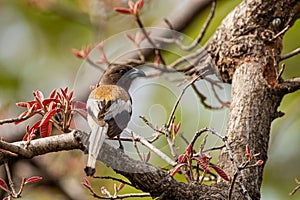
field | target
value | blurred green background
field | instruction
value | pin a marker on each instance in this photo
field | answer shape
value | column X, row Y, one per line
column 36, row 38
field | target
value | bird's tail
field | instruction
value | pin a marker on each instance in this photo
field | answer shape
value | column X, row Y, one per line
column 96, row 140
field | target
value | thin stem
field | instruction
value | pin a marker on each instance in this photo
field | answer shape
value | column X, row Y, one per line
column 291, row 54
column 9, row 177
column 156, row 49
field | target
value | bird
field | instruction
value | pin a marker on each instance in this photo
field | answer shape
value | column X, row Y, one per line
column 109, row 108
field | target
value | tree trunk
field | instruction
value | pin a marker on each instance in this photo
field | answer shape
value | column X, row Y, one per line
column 246, row 51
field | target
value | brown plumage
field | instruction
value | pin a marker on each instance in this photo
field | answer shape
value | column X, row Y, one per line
column 109, row 109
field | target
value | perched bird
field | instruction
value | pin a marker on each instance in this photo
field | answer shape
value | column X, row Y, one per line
column 109, row 110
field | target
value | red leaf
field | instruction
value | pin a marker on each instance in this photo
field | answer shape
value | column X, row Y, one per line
column 63, row 92
column 25, row 138
column 3, row 185
column 70, row 95
column 120, row 186
column 86, row 183
column 39, row 96
column 130, row 37
column 33, row 179
column 123, row 11
column 48, row 116
column 175, row 127
column 188, row 150
column 176, row 169
column 248, row 152
column 83, row 53
column 220, row 172
column 131, row 4
column 46, row 102
column 52, row 94
column 182, row 158
column 22, row 104
column 31, row 132
column 45, row 129
column 140, row 4
column 259, row 163
column 202, row 164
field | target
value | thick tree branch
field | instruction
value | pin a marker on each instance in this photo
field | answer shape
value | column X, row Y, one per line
column 289, row 86
column 42, row 146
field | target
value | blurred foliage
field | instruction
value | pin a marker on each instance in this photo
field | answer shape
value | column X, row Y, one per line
column 36, row 37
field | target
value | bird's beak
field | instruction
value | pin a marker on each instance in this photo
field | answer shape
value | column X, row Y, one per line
column 135, row 73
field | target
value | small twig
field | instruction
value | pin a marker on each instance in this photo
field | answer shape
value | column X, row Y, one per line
column 151, row 125
column 296, row 188
column 17, row 119
column 202, row 177
column 93, row 64
column 214, row 148
column 232, row 185
column 114, row 179
column 223, row 104
column 291, row 54
column 9, row 177
column 199, row 37
column 109, row 196
column 179, row 99
column 187, row 58
column 184, row 139
column 204, row 28
column 156, row 49
column 203, row 98
column 136, row 147
column 280, row 72
column 281, row 32
column 145, row 142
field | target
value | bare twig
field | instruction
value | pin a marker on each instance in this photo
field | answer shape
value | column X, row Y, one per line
column 145, row 142
column 179, row 99
column 203, row 98
column 136, row 147
column 109, row 196
column 291, row 54
column 93, row 64
column 114, row 179
column 177, row 41
column 281, row 32
column 151, row 125
column 17, row 119
column 296, row 188
column 156, row 49
column 223, row 104
column 280, row 72
column 9, row 177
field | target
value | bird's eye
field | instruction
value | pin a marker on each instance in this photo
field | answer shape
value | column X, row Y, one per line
column 121, row 71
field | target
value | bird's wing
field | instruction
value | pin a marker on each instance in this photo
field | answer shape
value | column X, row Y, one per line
column 97, row 135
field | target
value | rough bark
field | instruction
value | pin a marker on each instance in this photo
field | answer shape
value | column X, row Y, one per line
column 247, row 53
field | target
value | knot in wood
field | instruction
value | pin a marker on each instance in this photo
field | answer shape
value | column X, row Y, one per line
column 267, row 35
column 238, row 49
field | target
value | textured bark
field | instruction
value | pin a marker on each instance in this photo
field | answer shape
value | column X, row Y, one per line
column 247, row 54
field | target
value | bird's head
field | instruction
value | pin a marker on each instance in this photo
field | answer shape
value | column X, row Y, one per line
column 121, row 76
